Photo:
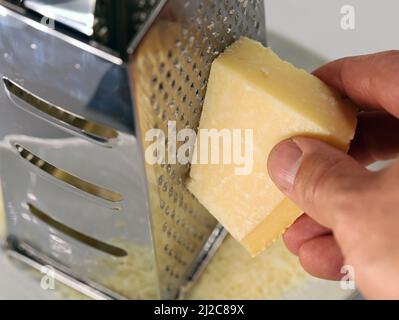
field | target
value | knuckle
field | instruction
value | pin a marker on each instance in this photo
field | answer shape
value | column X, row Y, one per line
column 324, row 185
column 391, row 54
column 353, row 204
column 316, row 174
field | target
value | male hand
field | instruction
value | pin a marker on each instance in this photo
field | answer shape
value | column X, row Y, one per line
column 352, row 214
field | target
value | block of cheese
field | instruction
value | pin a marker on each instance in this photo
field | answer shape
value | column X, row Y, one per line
column 250, row 87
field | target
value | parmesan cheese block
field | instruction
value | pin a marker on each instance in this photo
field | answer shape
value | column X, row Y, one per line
column 250, row 87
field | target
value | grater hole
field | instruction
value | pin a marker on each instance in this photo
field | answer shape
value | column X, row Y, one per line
column 165, row 187
column 162, row 67
column 162, row 204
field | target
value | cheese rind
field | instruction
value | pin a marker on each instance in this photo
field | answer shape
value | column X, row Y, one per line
column 250, row 87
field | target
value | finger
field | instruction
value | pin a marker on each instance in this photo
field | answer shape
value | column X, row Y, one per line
column 370, row 80
column 321, row 180
column 376, row 137
column 322, row 258
column 303, row 230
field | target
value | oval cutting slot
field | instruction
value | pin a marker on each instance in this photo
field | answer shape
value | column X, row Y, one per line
column 68, row 178
column 92, row 130
column 94, row 243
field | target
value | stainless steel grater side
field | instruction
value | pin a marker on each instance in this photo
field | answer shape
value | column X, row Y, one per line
column 79, row 195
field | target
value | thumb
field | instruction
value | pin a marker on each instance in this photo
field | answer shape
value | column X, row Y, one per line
column 320, row 179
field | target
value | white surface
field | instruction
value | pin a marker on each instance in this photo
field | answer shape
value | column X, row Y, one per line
column 316, row 25
column 15, row 284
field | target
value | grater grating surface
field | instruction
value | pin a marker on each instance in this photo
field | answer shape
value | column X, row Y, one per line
column 169, row 71
column 79, row 195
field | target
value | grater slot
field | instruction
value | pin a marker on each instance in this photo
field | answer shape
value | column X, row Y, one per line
column 94, row 243
column 94, row 131
column 68, row 178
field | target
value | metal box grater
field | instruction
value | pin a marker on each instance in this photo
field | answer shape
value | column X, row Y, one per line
column 78, row 193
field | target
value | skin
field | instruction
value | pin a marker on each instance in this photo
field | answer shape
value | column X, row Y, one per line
column 352, row 214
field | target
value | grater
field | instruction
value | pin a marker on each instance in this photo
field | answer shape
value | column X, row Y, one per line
column 80, row 199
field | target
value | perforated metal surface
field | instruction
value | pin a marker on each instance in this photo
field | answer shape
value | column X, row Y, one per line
column 169, row 69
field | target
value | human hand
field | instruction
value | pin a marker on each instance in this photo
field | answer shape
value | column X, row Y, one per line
column 352, row 214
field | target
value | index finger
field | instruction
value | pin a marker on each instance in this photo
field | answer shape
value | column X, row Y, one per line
column 371, row 81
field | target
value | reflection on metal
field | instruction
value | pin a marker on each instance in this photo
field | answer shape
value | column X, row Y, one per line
column 86, row 47
column 94, row 243
column 78, row 15
column 66, row 177
column 90, row 129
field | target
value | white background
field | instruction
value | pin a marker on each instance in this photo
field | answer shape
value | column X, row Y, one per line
column 315, row 25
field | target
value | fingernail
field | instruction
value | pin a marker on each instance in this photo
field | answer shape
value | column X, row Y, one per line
column 283, row 164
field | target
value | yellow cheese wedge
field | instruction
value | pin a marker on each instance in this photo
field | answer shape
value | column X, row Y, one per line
column 250, row 87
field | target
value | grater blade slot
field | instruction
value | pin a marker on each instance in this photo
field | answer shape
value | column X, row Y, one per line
column 68, row 178
column 92, row 242
column 98, row 132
